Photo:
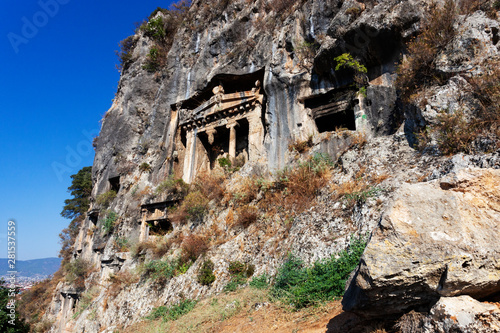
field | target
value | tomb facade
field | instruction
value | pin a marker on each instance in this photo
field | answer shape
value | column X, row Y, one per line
column 225, row 126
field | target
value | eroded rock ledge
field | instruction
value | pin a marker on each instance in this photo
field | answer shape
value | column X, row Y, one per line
column 438, row 238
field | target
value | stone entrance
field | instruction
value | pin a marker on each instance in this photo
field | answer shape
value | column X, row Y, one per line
column 154, row 219
column 227, row 125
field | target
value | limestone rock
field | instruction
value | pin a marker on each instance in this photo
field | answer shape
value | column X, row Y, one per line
column 463, row 314
column 438, row 238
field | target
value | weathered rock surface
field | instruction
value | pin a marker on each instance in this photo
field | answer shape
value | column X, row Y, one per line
column 463, row 314
column 438, row 238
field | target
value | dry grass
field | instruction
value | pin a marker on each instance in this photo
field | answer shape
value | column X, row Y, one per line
column 246, row 310
column 35, row 301
column 211, row 185
column 358, row 189
column 121, row 280
column 301, row 146
column 193, row 246
column 247, row 215
column 295, row 188
column 157, row 247
column 419, row 69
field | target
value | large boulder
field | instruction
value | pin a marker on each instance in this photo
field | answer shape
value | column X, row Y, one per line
column 438, row 238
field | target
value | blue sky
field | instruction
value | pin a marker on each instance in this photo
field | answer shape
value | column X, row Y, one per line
column 57, row 79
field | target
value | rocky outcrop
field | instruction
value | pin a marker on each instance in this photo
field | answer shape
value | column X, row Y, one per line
column 247, row 78
column 436, row 239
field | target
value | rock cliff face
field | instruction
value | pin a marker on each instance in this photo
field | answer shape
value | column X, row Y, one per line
column 242, row 81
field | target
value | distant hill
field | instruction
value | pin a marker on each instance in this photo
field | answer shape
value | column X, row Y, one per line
column 32, row 268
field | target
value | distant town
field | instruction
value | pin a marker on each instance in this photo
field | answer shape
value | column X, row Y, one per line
column 28, row 272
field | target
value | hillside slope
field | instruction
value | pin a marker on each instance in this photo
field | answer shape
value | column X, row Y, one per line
column 242, row 132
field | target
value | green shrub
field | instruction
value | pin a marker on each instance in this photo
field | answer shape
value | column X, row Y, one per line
column 362, row 196
column 154, row 29
column 122, row 244
column 236, row 281
column 260, row 282
column 224, row 162
column 173, row 312
column 302, row 286
column 195, row 204
column 160, row 270
column 346, row 61
column 105, row 199
column 184, row 267
column 206, row 274
column 145, row 167
column 76, row 272
column 240, row 272
column 109, row 222
column 125, row 53
column 236, row 267
column 154, row 60
column 173, row 186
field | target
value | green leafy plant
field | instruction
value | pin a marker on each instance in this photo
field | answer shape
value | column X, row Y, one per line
column 235, row 282
column 122, row 244
column 224, row 162
column 173, row 186
column 260, row 282
column 184, row 267
column 240, row 272
column 362, row 196
column 76, row 272
column 125, row 53
column 206, row 274
column 109, row 222
column 236, row 267
column 195, row 205
column 174, row 312
column 105, row 199
column 154, row 28
column 302, row 286
column 144, row 167
column 159, row 270
column 153, row 60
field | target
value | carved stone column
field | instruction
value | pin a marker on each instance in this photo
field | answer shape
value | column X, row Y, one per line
column 255, row 134
column 144, row 231
column 361, row 122
column 189, row 157
column 232, row 141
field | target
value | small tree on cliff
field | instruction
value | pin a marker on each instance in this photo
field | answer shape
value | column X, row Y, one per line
column 75, row 209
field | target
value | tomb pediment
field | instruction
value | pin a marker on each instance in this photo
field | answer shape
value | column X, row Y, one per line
column 225, row 125
column 221, row 106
